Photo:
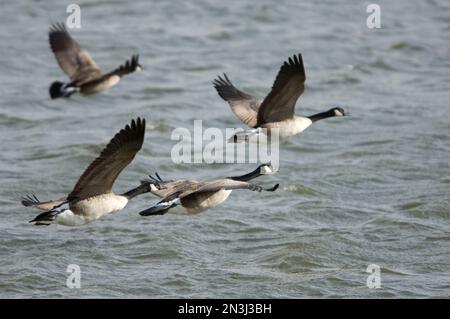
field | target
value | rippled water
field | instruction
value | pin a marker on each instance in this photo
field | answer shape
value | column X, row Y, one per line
column 373, row 188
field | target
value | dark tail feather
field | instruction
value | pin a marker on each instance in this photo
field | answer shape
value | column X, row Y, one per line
column 158, row 209
column 162, row 207
column 45, row 218
column 60, row 89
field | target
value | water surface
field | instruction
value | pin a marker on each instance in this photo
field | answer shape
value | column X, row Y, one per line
column 373, row 188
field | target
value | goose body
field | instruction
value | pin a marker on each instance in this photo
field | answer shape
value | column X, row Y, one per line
column 90, row 209
column 194, row 204
column 92, row 196
column 98, row 206
column 200, row 202
column 96, row 86
column 277, row 110
column 193, row 197
column 86, row 77
column 289, row 127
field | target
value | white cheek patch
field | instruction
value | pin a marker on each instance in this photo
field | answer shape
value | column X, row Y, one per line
column 266, row 169
column 338, row 113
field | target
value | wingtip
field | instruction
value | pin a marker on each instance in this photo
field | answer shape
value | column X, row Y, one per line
column 29, row 200
column 134, row 59
column 58, row 27
column 217, row 81
column 294, row 60
column 139, row 123
column 222, row 80
column 137, row 128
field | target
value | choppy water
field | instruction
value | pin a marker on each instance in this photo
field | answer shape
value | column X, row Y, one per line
column 373, row 188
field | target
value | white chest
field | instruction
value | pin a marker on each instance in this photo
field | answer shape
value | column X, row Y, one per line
column 95, row 207
column 289, row 127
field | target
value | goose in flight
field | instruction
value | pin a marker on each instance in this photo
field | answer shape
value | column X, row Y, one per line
column 277, row 110
column 92, row 196
column 85, row 76
column 192, row 197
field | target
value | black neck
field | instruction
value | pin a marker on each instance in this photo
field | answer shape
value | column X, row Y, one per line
column 141, row 189
column 322, row 115
column 247, row 177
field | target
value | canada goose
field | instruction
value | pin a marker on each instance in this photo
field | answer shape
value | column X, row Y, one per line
column 92, row 196
column 193, row 197
column 277, row 109
column 85, row 76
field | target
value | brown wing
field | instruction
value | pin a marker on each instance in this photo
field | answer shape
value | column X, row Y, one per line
column 33, row 201
column 169, row 188
column 243, row 105
column 99, row 177
column 72, row 58
column 279, row 105
column 217, row 185
column 199, row 192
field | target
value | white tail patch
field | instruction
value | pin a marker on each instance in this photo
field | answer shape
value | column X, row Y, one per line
column 68, row 218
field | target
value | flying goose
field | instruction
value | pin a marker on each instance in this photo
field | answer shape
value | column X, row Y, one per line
column 92, row 196
column 193, row 197
column 277, row 110
column 85, row 76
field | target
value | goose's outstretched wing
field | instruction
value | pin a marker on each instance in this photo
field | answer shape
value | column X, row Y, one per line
column 128, row 67
column 243, row 105
column 72, row 58
column 190, row 197
column 289, row 84
column 33, row 201
column 227, row 184
column 99, row 177
column 214, row 186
